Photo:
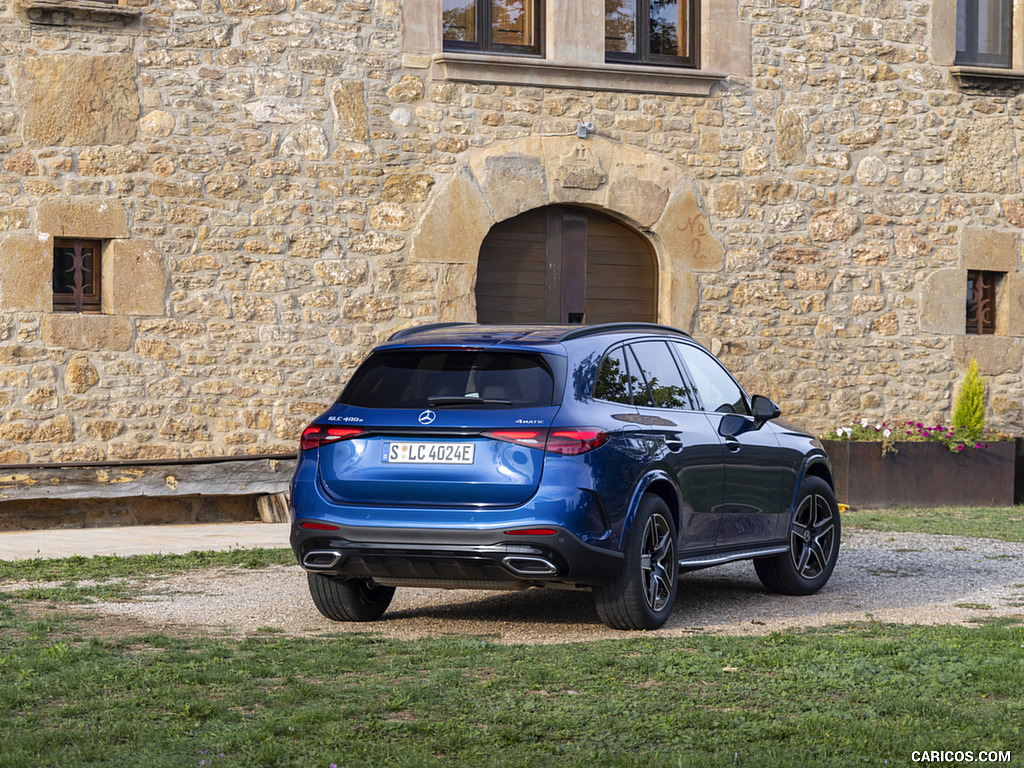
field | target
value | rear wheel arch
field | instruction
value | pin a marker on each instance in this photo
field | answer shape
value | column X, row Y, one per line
column 661, row 487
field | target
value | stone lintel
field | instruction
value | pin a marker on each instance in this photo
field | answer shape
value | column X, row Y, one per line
column 992, row 250
column 85, row 218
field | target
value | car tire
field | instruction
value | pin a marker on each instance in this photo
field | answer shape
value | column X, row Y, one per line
column 814, row 536
column 348, row 599
column 644, row 592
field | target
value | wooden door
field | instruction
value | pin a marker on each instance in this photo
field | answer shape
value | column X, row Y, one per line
column 565, row 265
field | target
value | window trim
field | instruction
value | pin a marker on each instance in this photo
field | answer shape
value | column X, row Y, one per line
column 87, row 303
column 943, row 49
column 484, row 43
column 578, row 60
column 642, row 40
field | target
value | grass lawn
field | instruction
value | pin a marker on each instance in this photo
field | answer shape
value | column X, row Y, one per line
column 1003, row 523
column 867, row 694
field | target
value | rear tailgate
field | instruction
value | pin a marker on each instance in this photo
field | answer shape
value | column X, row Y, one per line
column 431, row 458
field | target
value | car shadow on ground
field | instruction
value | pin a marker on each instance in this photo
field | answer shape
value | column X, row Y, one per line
column 699, row 593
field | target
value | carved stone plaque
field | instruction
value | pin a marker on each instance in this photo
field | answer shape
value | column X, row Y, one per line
column 580, row 170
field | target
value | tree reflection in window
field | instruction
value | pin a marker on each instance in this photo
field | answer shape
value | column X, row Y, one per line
column 491, row 25
column 614, row 383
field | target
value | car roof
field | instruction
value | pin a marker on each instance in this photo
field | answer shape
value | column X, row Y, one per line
column 518, row 335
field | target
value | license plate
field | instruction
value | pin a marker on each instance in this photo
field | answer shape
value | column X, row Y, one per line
column 427, row 453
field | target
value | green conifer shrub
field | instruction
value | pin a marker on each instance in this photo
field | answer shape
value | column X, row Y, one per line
column 969, row 411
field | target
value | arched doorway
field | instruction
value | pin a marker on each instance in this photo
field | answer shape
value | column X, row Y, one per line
column 565, row 265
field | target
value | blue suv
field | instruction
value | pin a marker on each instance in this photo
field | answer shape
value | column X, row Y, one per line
column 606, row 458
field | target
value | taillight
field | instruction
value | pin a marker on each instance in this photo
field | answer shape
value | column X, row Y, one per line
column 315, row 435
column 576, row 440
column 570, row 441
column 531, row 438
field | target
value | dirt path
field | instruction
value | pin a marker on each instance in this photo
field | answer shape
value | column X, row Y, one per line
column 909, row 578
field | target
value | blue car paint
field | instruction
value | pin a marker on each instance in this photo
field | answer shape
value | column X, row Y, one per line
column 590, row 499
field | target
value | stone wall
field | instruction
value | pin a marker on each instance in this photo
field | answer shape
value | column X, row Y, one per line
column 262, row 174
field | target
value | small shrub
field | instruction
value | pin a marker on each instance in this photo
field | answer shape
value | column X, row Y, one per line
column 969, row 410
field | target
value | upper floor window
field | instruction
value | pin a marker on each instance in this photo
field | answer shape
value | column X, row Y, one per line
column 497, row 26
column 76, row 276
column 981, row 301
column 984, row 33
column 651, row 32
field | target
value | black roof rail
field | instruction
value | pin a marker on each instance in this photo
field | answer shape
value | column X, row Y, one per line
column 590, row 330
column 420, row 329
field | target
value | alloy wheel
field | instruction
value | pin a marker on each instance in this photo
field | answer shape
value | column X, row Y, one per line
column 813, row 536
column 657, row 562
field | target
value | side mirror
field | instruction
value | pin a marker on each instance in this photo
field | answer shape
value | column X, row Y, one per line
column 764, row 409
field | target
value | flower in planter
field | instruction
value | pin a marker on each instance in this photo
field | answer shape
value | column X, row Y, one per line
column 957, row 439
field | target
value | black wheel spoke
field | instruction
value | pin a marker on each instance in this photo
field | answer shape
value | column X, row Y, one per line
column 657, row 562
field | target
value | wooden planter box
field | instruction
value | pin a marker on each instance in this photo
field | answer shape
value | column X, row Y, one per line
column 923, row 474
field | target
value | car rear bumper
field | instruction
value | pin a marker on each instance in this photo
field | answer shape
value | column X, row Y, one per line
column 467, row 558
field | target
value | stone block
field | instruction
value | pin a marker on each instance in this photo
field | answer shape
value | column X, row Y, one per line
column 350, row 112
column 91, row 218
column 513, row 183
column 134, row 278
column 1013, row 300
column 641, row 184
column 87, row 332
column 454, row 226
column 49, row 89
column 996, row 355
column 686, row 233
column 943, row 302
column 982, row 157
column 992, row 250
column 26, row 274
column 683, row 298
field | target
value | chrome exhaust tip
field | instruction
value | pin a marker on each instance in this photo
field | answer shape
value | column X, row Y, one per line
column 523, row 565
column 322, row 559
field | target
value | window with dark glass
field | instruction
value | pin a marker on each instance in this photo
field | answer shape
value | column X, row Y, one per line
column 497, row 26
column 981, row 301
column 664, row 381
column 984, row 33
column 715, row 387
column 450, row 379
column 651, row 32
column 76, row 276
column 613, row 380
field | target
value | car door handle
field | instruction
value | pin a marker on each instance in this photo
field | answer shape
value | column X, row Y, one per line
column 674, row 443
column 733, row 444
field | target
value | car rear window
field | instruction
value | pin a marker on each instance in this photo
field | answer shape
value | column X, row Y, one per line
column 429, row 378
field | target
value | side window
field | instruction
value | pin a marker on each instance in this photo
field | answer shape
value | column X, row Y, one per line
column 651, row 32
column 497, row 26
column 665, row 382
column 613, row 379
column 715, row 387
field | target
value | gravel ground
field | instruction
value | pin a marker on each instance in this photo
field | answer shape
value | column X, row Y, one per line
column 892, row 577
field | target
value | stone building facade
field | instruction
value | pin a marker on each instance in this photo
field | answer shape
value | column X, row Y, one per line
column 278, row 185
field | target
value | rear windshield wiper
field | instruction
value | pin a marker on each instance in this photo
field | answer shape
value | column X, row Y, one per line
column 440, row 402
